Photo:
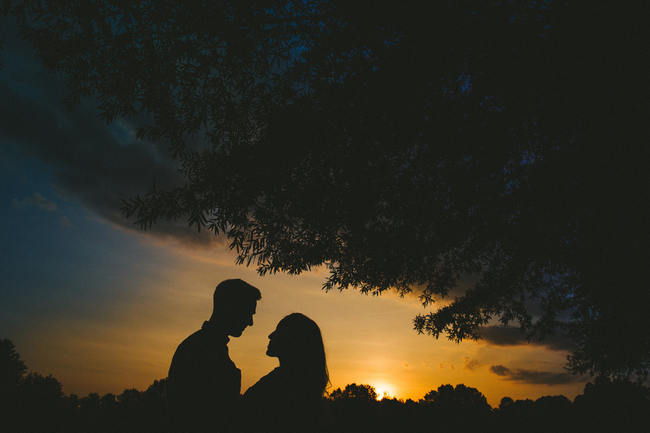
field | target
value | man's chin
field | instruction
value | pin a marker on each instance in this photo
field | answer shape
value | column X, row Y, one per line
column 236, row 333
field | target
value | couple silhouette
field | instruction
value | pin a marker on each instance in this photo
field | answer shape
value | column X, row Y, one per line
column 204, row 385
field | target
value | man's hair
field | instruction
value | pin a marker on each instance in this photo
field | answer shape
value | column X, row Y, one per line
column 234, row 292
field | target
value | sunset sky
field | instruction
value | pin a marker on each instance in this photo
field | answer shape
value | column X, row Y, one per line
column 90, row 299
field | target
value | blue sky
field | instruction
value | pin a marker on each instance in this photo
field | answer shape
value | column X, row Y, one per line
column 59, row 257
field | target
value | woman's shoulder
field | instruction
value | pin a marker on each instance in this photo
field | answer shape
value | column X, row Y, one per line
column 265, row 385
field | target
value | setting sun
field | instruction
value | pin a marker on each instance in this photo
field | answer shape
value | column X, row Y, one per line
column 383, row 391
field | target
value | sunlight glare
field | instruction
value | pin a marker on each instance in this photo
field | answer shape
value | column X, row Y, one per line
column 383, row 391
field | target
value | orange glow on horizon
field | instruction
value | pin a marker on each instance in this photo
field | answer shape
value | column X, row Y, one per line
column 129, row 340
column 383, row 390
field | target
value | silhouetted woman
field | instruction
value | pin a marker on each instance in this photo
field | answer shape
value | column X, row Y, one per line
column 290, row 398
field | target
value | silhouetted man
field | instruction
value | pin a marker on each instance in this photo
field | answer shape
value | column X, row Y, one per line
column 204, row 384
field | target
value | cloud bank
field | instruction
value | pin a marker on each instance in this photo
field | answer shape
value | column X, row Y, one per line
column 95, row 163
column 535, row 377
column 511, row 336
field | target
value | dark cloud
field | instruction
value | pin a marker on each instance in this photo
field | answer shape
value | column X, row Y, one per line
column 96, row 163
column 521, row 375
column 511, row 336
column 471, row 364
column 499, row 370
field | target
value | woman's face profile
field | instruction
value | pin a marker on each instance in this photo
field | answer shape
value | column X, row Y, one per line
column 276, row 341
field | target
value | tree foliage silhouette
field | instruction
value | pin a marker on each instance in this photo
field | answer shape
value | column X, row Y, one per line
column 12, row 367
column 12, row 371
column 462, row 398
column 605, row 406
column 499, row 143
column 461, row 407
column 355, row 392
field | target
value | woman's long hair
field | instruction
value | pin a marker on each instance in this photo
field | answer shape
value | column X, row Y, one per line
column 306, row 353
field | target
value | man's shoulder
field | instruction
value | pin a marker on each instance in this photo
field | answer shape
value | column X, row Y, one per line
column 196, row 339
column 189, row 349
column 200, row 345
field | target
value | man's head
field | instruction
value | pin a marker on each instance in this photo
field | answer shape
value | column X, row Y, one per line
column 234, row 303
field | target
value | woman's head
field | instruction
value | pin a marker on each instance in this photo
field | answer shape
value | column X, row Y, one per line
column 298, row 343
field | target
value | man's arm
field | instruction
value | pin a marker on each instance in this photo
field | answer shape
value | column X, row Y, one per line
column 182, row 393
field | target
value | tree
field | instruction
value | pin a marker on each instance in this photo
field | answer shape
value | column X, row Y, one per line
column 506, row 402
column 354, row 408
column 612, row 404
column 155, row 402
column 12, row 368
column 42, row 395
column 356, row 392
column 461, row 408
column 12, row 371
column 462, row 399
column 548, row 413
column 498, row 143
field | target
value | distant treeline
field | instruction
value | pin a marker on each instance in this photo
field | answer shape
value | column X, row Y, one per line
column 31, row 402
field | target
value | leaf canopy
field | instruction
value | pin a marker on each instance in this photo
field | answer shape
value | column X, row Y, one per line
column 500, row 144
